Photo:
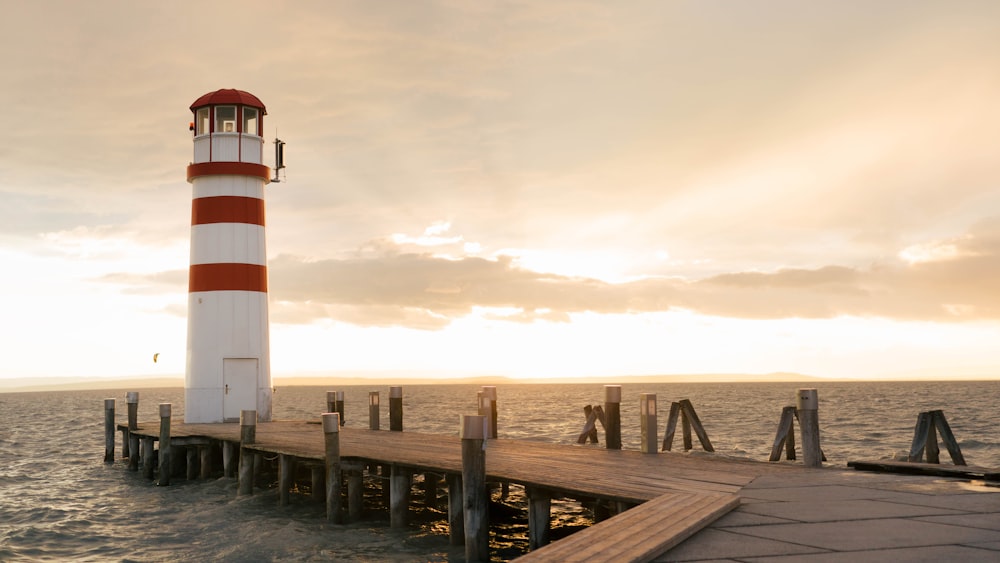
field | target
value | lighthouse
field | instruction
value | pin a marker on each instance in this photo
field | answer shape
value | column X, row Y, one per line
column 228, row 360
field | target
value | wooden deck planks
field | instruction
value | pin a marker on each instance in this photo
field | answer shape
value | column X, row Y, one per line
column 639, row 534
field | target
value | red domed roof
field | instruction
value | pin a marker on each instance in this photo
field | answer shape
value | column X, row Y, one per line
column 229, row 96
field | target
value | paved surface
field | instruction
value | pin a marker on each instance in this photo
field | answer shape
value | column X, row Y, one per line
column 833, row 515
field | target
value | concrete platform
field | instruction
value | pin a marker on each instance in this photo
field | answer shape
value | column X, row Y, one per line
column 834, row 515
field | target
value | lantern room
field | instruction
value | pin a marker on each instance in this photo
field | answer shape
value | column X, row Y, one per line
column 228, row 127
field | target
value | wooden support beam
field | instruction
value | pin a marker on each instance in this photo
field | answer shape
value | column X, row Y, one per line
column 248, row 435
column 688, row 409
column 331, row 448
column 286, row 472
column 399, row 496
column 539, row 517
column 475, row 496
column 948, row 438
column 109, row 430
column 785, row 435
column 668, row 436
column 456, row 515
column 612, row 410
column 164, row 476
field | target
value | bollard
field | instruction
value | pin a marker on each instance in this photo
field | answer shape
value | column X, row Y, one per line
column 396, row 409
column 373, row 410
column 109, row 430
column 132, row 401
column 647, row 422
column 475, row 499
column 164, row 444
column 807, row 403
column 331, row 401
column 331, row 442
column 612, row 413
column 490, row 405
column 248, row 435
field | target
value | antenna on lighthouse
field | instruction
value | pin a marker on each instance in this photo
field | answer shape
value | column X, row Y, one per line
column 279, row 158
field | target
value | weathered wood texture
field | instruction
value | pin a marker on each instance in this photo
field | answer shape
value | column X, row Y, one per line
column 641, row 533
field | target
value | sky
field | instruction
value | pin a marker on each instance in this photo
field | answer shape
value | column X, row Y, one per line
column 528, row 189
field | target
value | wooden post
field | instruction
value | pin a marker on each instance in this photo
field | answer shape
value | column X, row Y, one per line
column 399, row 496
column 456, row 516
column 340, row 407
column 784, row 437
column 807, row 404
column 331, row 401
column 490, row 394
column 191, row 469
column 228, row 454
column 948, row 438
column 147, row 457
column 109, row 430
column 316, row 474
column 164, row 478
column 668, row 435
column 132, row 401
column 588, row 411
column 396, row 409
column 431, row 481
column 612, row 411
column 286, row 472
column 539, row 517
column 373, row 410
column 688, row 410
column 647, row 422
column 931, row 451
column 205, row 461
column 686, row 430
column 355, row 489
column 248, row 435
column 331, row 441
column 919, row 437
column 475, row 499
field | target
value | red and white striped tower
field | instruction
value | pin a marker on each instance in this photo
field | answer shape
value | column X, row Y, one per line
column 228, row 361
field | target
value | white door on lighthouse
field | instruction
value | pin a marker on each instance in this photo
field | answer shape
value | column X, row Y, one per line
column 239, row 375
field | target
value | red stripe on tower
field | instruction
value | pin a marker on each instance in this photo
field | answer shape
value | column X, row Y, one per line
column 227, row 277
column 227, row 209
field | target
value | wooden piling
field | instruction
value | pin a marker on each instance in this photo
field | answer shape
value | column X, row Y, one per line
column 399, row 496
column 248, row 435
column 373, row 410
column 205, row 461
column 668, row 434
column 431, row 481
column 191, row 469
column 647, row 422
column 490, row 396
column 147, row 457
column 109, row 430
column 456, row 515
column 948, row 437
column 331, row 442
column 318, row 483
column 286, row 473
column 355, row 489
column 475, row 496
column 539, row 517
column 925, row 436
column 784, row 437
column 132, row 402
column 164, row 477
column 807, row 404
column 331, row 401
column 612, row 413
column 590, row 428
column 229, row 455
column 396, row 409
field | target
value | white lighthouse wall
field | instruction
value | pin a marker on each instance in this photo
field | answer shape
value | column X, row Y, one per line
column 225, row 324
column 211, row 186
column 218, row 243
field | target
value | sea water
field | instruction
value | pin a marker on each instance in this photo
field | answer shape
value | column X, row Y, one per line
column 59, row 501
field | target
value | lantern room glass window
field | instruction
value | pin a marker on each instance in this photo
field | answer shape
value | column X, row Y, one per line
column 225, row 119
column 250, row 121
column 201, row 122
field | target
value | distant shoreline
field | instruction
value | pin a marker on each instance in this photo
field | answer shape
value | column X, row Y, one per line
column 69, row 384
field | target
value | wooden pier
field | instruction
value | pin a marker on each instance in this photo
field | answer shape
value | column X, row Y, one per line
column 675, row 495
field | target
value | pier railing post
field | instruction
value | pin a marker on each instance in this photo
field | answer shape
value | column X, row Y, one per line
column 807, row 403
column 373, row 410
column 164, row 478
column 490, row 404
column 396, row 409
column 109, row 430
column 331, row 444
column 475, row 502
column 132, row 401
column 248, row 435
column 647, row 419
column 612, row 413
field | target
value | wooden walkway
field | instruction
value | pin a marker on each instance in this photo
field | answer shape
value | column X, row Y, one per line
column 690, row 491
